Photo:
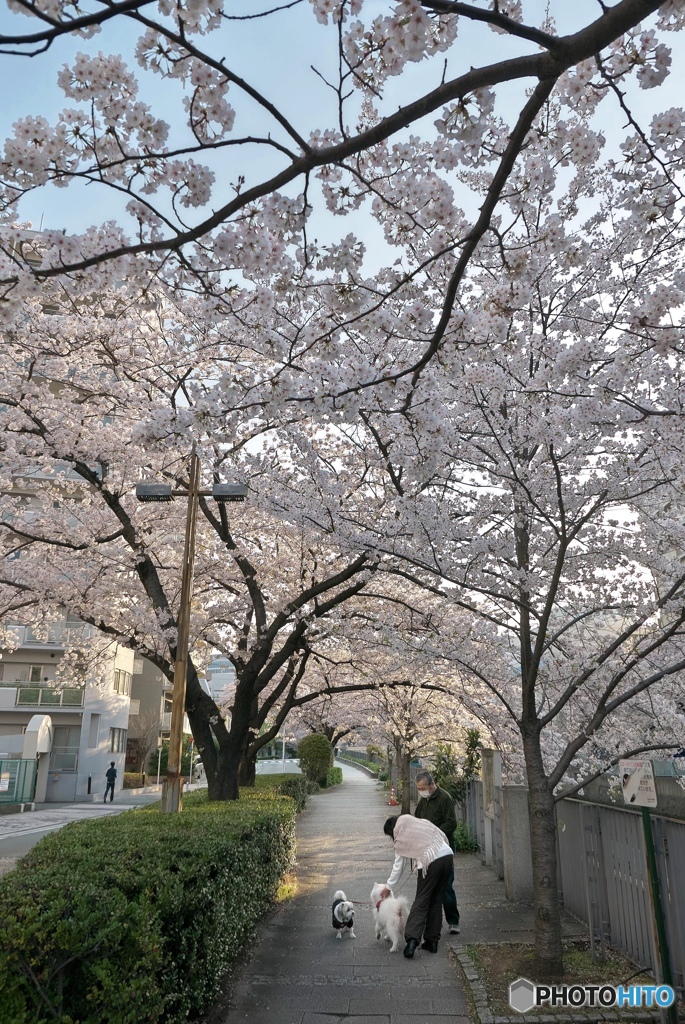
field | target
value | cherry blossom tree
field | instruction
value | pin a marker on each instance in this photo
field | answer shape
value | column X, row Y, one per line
column 533, row 476
column 75, row 391
column 494, row 419
column 213, row 205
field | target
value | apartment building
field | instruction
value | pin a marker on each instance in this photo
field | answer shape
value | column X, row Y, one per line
column 72, row 730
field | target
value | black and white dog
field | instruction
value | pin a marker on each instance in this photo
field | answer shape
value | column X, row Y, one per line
column 343, row 914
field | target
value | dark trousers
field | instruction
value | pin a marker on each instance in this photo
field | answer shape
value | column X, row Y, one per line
column 110, row 790
column 425, row 916
column 449, row 900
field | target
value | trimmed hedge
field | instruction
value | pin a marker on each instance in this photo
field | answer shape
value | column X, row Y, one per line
column 315, row 753
column 132, row 780
column 334, row 777
column 135, row 918
column 286, row 784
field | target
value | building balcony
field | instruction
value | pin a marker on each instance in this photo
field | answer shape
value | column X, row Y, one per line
column 56, row 636
column 166, row 723
column 41, row 696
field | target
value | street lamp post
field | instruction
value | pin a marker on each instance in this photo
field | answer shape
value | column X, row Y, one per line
column 172, row 795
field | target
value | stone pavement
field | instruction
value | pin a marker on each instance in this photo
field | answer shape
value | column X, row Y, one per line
column 299, row 973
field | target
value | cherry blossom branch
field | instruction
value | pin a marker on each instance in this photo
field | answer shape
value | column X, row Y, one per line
column 546, row 67
column 184, row 43
column 60, row 28
column 604, row 710
column 511, row 27
column 611, row 764
column 611, row 649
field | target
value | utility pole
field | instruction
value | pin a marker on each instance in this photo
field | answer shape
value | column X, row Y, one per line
column 172, row 795
column 172, row 790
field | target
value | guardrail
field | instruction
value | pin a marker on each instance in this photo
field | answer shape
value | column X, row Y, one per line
column 357, row 764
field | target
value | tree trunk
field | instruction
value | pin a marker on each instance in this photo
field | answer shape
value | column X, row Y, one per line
column 248, row 770
column 543, row 838
column 406, row 783
column 226, row 784
column 215, row 745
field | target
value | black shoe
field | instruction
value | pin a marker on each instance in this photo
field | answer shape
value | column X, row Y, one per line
column 430, row 945
column 410, row 948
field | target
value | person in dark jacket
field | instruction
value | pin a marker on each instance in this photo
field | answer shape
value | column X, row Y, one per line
column 110, row 775
column 437, row 806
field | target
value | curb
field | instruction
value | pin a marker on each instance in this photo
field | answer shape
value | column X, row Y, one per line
column 484, row 1015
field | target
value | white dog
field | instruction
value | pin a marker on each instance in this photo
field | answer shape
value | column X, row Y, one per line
column 343, row 914
column 389, row 916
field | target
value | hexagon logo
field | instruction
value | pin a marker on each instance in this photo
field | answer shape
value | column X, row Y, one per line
column 522, row 995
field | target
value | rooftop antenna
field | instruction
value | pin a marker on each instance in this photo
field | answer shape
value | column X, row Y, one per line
column 41, row 220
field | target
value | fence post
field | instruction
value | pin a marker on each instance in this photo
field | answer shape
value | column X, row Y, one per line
column 671, row 1013
column 593, row 866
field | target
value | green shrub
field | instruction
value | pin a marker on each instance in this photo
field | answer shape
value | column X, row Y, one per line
column 136, row 917
column 464, row 842
column 334, row 777
column 164, row 758
column 445, row 769
column 316, row 756
column 132, row 780
column 285, row 784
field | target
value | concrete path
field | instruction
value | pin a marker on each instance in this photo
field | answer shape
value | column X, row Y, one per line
column 301, row 974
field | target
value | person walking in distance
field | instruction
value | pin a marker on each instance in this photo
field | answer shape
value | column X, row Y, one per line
column 110, row 775
column 436, row 805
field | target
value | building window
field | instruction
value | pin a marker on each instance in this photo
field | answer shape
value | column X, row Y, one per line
column 122, row 681
column 36, row 673
column 94, row 731
column 65, row 743
column 117, row 741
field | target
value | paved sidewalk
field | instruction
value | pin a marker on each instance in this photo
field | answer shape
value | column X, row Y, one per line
column 301, row 974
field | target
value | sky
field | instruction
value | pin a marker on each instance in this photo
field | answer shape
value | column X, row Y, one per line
column 275, row 55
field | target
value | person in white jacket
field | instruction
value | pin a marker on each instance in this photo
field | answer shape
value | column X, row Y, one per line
column 416, row 839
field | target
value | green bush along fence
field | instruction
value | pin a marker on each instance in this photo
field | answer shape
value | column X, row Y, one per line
column 134, row 918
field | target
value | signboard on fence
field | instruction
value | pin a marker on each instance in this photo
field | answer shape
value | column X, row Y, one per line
column 4, row 782
column 637, row 783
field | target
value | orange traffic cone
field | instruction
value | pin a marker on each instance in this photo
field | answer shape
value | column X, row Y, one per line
column 392, row 802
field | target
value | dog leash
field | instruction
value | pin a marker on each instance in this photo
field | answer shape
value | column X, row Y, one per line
column 367, row 903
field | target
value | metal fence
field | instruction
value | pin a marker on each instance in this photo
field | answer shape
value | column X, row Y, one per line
column 17, row 781
column 605, row 882
column 669, row 840
column 603, row 876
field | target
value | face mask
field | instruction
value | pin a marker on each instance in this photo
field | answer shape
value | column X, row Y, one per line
column 423, row 794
